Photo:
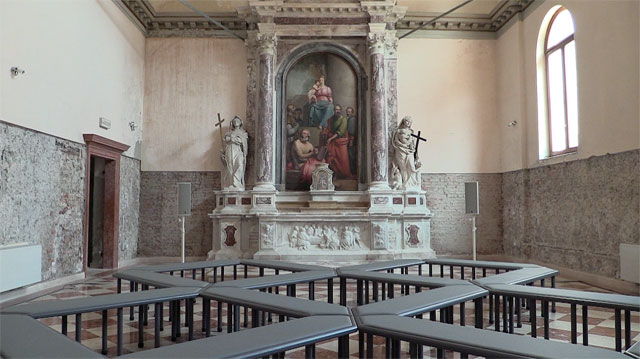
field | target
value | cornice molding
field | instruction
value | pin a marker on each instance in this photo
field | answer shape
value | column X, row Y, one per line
column 154, row 24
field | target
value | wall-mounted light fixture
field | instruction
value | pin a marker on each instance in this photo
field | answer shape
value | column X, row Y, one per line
column 15, row 71
column 133, row 126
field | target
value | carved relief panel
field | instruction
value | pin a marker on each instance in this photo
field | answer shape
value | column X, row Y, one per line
column 267, row 235
column 380, row 234
column 323, row 236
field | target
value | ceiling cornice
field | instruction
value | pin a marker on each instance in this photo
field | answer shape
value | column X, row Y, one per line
column 154, row 24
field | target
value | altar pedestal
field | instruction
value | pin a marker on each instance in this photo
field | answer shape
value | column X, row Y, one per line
column 343, row 229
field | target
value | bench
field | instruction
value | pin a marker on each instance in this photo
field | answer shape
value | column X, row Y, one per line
column 158, row 280
column 468, row 340
column 195, row 266
column 484, row 265
column 574, row 297
column 389, row 266
column 63, row 308
column 267, row 303
column 390, row 279
column 262, row 341
column 282, row 265
column 24, row 337
column 520, row 276
column 289, row 280
column 634, row 351
column 386, row 265
column 427, row 301
column 444, row 298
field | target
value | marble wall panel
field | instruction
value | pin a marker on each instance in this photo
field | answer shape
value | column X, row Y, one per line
column 160, row 229
column 129, row 207
column 451, row 227
column 42, row 194
column 575, row 213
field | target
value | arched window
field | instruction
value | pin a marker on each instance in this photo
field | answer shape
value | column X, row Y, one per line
column 558, row 100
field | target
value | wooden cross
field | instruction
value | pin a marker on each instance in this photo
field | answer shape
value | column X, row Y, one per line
column 418, row 139
column 219, row 124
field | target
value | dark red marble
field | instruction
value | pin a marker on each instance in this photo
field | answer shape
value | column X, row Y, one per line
column 378, row 122
column 265, row 121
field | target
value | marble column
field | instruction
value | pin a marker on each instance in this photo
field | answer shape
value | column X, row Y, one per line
column 379, row 141
column 265, row 121
column 391, row 69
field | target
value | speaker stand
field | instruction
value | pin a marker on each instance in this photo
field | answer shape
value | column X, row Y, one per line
column 473, row 231
column 183, row 220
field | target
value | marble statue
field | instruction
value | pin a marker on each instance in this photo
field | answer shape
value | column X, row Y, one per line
column 234, row 155
column 404, row 162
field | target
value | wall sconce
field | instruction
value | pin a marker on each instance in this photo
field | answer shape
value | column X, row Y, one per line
column 15, row 71
column 133, row 126
column 512, row 123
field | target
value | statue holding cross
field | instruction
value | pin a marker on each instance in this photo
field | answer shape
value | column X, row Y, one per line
column 234, row 154
column 406, row 166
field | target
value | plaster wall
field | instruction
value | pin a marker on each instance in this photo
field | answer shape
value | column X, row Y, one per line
column 188, row 81
column 608, row 70
column 448, row 86
column 78, row 67
column 510, row 98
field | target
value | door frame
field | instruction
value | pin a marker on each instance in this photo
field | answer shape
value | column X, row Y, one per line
column 98, row 146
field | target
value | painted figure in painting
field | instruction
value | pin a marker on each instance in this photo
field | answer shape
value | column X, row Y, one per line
column 304, row 156
column 234, row 155
column 403, row 161
column 337, row 144
column 352, row 129
column 321, row 101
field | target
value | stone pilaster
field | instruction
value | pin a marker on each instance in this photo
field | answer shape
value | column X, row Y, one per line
column 252, row 105
column 391, row 67
column 379, row 142
column 265, row 120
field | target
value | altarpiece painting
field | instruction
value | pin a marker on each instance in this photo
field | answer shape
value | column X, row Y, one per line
column 320, row 120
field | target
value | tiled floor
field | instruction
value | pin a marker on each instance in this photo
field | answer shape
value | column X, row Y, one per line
column 601, row 321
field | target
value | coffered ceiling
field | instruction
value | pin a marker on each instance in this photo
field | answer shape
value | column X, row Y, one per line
column 171, row 18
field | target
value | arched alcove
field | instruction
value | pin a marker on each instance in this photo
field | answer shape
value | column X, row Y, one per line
column 347, row 79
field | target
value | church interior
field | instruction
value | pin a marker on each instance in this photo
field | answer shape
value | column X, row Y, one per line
column 383, row 178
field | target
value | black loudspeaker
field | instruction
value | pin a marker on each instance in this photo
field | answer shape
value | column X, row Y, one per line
column 184, row 198
column 471, row 198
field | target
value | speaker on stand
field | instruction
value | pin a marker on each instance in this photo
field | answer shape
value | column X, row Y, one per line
column 184, row 208
column 471, row 201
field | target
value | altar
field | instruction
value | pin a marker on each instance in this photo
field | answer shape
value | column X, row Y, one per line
column 342, row 230
column 321, row 97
